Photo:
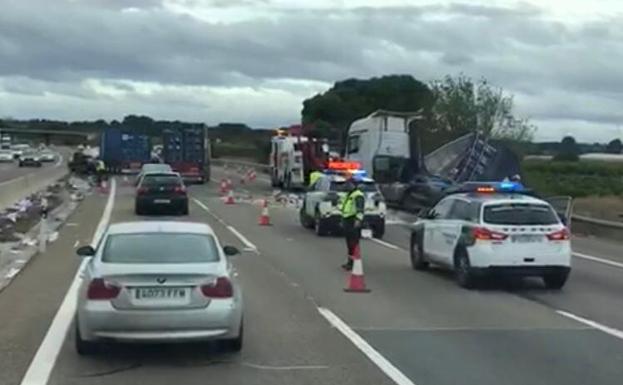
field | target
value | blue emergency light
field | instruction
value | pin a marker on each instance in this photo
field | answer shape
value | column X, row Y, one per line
column 491, row 188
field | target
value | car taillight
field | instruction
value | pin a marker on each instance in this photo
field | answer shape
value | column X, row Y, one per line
column 221, row 288
column 180, row 190
column 99, row 289
column 141, row 191
column 483, row 234
column 561, row 235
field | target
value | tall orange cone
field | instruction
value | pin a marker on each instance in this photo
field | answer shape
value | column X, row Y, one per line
column 230, row 185
column 356, row 282
column 230, row 198
column 264, row 217
column 223, row 187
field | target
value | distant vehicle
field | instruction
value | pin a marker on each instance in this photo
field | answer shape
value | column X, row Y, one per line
column 19, row 149
column 493, row 229
column 153, row 168
column 161, row 192
column 187, row 150
column 6, row 156
column 159, row 281
column 124, row 150
column 294, row 156
column 5, row 142
column 29, row 159
column 322, row 206
column 47, row 156
column 81, row 163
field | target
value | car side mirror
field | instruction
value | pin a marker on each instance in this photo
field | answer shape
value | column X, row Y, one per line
column 230, row 250
column 86, row 251
column 432, row 214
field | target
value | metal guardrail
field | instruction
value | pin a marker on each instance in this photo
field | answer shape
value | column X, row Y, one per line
column 598, row 222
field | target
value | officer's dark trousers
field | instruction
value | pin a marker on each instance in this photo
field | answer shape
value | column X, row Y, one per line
column 352, row 235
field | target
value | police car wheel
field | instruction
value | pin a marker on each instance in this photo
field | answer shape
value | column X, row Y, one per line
column 306, row 222
column 556, row 280
column 378, row 231
column 319, row 225
column 463, row 270
column 418, row 260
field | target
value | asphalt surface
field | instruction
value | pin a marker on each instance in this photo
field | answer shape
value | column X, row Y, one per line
column 430, row 329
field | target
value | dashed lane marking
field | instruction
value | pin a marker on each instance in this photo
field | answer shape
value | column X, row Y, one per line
column 42, row 364
column 386, row 244
column 596, row 325
column 249, row 246
column 599, row 260
column 381, row 362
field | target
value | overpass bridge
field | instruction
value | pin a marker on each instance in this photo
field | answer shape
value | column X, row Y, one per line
column 49, row 136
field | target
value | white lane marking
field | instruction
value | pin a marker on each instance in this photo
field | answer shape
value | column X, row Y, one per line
column 387, row 367
column 12, row 273
column 606, row 329
column 600, row 260
column 76, row 243
column 386, row 244
column 249, row 246
column 44, row 360
column 242, row 238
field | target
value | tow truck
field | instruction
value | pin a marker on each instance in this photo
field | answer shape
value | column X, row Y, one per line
column 322, row 202
column 294, row 156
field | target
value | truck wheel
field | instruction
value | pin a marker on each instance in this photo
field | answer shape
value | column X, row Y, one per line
column 556, row 280
column 418, row 259
column 463, row 270
column 319, row 225
column 289, row 182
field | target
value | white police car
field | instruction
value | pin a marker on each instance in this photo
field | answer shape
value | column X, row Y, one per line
column 322, row 204
column 494, row 229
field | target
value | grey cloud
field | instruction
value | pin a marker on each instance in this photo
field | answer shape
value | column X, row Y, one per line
column 516, row 48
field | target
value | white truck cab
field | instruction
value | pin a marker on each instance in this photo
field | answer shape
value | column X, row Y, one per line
column 493, row 232
column 322, row 204
column 286, row 161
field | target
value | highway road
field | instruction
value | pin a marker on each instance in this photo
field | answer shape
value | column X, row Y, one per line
column 302, row 328
column 10, row 171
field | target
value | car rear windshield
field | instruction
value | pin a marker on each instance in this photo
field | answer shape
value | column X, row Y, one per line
column 156, row 167
column 151, row 248
column 365, row 187
column 167, row 180
column 520, row 214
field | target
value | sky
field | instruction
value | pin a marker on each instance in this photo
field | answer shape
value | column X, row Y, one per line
column 255, row 61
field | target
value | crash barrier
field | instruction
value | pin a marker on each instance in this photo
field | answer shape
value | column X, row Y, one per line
column 597, row 227
column 13, row 190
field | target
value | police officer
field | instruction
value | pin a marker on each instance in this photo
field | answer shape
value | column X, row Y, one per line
column 352, row 217
column 313, row 177
column 100, row 169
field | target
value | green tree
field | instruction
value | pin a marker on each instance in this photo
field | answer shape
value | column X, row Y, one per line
column 333, row 111
column 462, row 106
column 614, row 147
column 569, row 150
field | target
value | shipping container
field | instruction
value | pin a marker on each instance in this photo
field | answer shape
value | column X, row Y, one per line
column 124, row 150
column 186, row 149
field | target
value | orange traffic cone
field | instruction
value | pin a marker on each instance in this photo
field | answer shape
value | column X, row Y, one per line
column 223, row 187
column 356, row 282
column 104, row 186
column 264, row 217
column 230, row 198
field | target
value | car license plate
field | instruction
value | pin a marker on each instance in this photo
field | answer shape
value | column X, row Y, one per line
column 366, row 233
column 161, row 294
column 162, row 201
column 526, row 238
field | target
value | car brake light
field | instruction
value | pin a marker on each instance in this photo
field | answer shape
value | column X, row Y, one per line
column 483, row 234
column 561, row 235
column 141, row 191
column 180, row 190
column 99, row 289
column 221, row 288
